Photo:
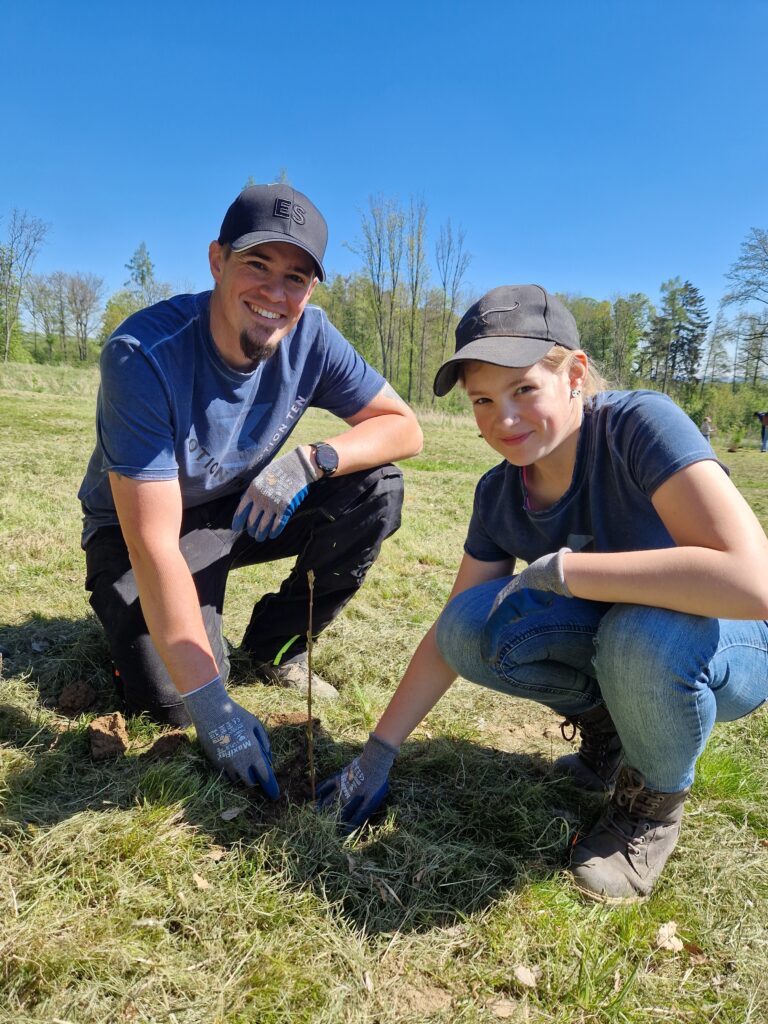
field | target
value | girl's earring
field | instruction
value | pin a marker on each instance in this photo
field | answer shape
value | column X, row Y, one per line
column 575, row 392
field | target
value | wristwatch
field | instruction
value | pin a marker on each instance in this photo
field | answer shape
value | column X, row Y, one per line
column 326, row 457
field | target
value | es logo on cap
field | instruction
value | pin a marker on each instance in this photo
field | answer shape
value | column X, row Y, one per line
column 289, row 211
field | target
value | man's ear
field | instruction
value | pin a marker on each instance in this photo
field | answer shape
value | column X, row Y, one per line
column 215, row 260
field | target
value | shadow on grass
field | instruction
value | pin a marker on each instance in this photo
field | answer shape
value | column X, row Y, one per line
column 51, row 653
column 465, row 824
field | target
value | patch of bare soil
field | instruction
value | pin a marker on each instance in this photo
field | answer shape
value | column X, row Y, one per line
column 165, row 746
column 421, row 999
column 292, row 768
column 528, row 729
column 75, row 698
column 108, row 736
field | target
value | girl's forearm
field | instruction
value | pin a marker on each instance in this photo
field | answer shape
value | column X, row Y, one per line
column 697, row 581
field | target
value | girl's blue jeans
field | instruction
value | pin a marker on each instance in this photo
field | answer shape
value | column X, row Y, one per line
column 666, row 677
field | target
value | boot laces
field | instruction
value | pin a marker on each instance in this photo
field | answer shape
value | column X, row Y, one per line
column 633, row 809
column 596, row 744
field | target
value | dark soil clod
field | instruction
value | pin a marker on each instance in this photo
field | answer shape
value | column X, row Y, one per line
column 76, row 697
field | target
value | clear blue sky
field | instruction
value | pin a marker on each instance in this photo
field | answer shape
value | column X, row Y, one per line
column 594, row 146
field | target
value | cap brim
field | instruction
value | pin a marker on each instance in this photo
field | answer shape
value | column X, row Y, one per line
column 497, row 351
column 260, row 237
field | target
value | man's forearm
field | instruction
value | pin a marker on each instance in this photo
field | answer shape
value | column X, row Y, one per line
column 172, row 611
column 375, row 442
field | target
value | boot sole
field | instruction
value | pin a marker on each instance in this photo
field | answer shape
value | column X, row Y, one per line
column 608, row 901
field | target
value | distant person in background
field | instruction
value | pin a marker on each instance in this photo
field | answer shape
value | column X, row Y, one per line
column 707, row 430
column 762, row 418
column 639, row 616
column 190, row 478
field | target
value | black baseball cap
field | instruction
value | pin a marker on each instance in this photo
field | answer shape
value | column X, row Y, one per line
column 275, row 213
column 515, row 325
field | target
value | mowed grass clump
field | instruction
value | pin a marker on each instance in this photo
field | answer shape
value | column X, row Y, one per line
column 147, row 888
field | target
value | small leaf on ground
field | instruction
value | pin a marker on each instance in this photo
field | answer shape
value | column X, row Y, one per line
column 231, row 813
column 524, row 976
column 503, row 1008
column 667, row 938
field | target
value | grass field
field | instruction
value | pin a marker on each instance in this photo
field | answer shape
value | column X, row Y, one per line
column 130, row 892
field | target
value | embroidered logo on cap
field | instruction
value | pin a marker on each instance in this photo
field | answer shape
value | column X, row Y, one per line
column 290, row 211
column 478, row 319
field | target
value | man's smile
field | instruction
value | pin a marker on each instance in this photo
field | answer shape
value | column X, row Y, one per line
column 260, row 311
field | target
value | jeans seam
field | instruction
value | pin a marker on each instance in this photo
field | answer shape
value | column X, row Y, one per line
column 518, row 641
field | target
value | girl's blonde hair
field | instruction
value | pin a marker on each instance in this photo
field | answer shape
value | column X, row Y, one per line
column 560, row 360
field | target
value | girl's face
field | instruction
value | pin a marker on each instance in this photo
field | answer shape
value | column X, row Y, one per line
column 525, row 413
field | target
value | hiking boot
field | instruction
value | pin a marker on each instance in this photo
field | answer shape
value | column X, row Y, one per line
column 293, row 674
column 620, row 861
column 596, row 763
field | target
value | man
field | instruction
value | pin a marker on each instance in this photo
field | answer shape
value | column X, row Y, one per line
column 188, row 480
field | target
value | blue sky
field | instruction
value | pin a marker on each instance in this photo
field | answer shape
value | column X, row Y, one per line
column 595, row 147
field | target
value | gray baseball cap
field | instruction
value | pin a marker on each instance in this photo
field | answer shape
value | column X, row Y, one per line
column 275, row 213
column 515, row 325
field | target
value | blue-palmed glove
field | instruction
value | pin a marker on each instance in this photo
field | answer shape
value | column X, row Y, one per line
column 233, row 739
column 546, row 573
column 359, row 789
column 273, row 496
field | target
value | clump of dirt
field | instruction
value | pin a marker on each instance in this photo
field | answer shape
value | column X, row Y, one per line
column 108, row 736
column 165, row 746
column 292, row 767
column 76, row 697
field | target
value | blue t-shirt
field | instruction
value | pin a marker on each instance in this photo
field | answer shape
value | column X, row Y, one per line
column 630, row 442
column 169, row 406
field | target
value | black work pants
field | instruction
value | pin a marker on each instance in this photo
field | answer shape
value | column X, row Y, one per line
column 337, row 532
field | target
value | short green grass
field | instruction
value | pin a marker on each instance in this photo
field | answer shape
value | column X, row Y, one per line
column 125, row 896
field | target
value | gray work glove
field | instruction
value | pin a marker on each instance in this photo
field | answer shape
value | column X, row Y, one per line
column 359, row 789
column 273, row 496
column 233, row 739
column 546, row 573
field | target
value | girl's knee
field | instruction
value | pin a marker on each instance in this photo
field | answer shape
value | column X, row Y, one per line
column 638, row 646
column 459, row 630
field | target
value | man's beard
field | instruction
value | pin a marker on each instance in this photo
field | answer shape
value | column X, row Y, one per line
column 255, row 350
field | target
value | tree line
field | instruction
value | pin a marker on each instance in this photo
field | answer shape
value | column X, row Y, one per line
column 399, row 309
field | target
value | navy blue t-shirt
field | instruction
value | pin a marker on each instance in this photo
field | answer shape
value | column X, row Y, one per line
column 169, row 406
column 630, row 442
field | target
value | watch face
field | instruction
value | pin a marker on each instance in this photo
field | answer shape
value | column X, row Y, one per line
column 327, row 458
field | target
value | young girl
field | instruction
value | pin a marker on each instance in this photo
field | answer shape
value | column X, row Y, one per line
column 637, row 617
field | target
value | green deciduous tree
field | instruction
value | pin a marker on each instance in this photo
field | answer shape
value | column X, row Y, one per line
column 119, row 306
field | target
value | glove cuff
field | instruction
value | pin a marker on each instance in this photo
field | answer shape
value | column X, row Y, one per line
column 189, row 693
column 207, row 700
column 304, row 459
column 377, row 757
column 561, row 570
column 388, row 747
